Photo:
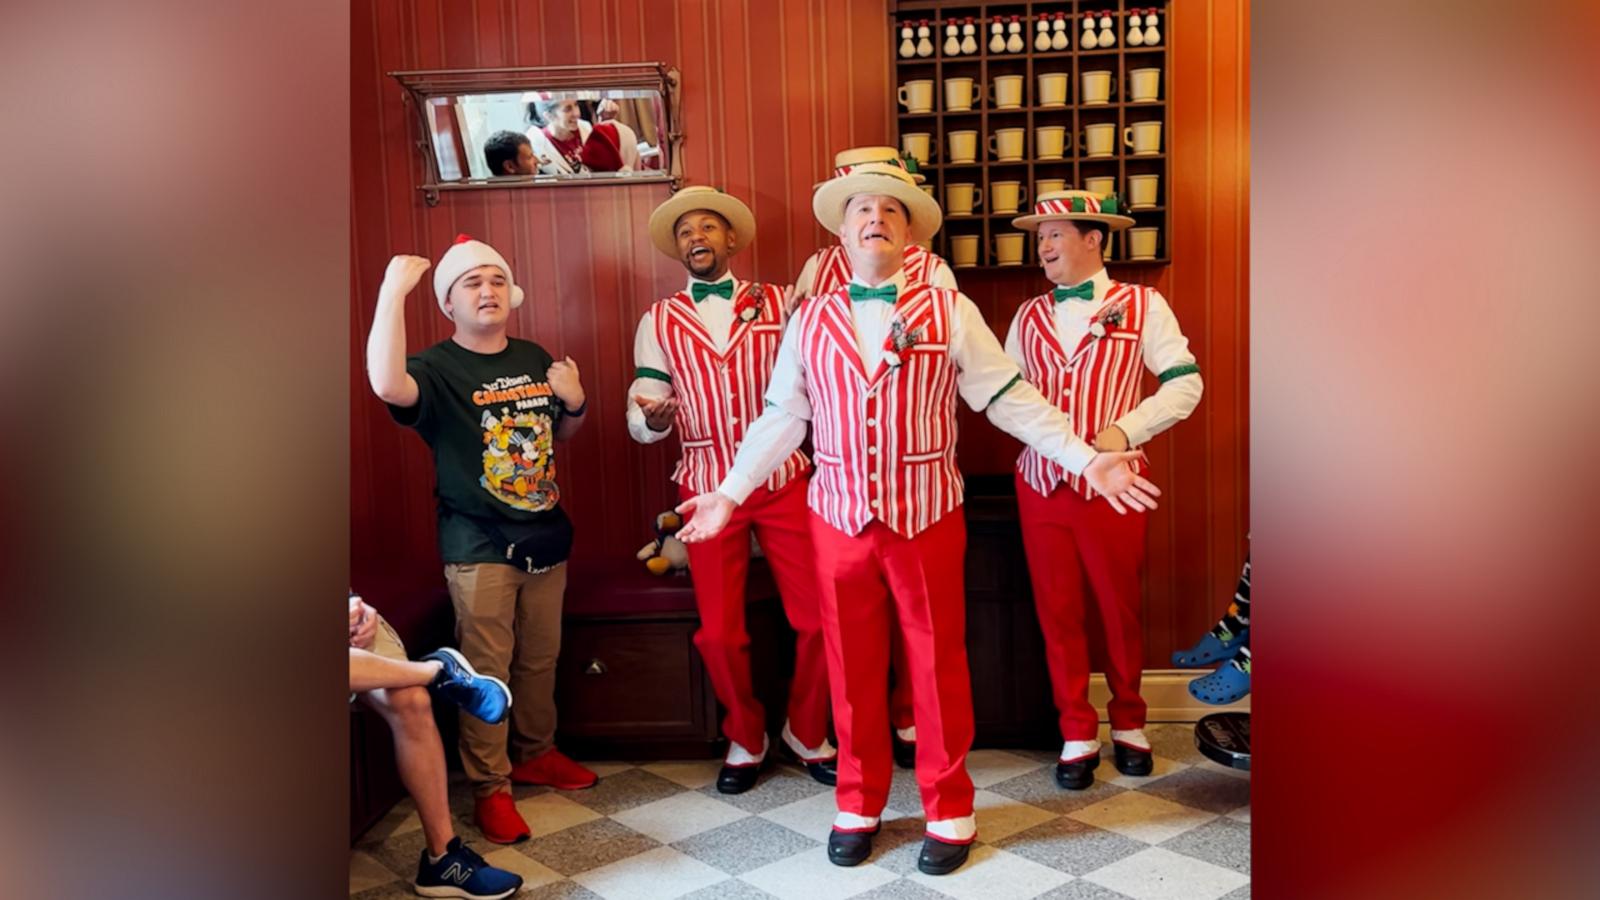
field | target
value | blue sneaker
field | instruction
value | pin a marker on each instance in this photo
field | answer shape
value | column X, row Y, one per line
column 483, row 696
column 463, row 873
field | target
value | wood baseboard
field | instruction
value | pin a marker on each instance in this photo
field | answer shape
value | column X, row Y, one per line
column 1166, row 693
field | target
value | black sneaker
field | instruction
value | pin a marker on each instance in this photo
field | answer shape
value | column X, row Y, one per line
column 941, row 858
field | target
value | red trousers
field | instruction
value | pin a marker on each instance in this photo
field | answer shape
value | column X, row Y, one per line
column 719, row 568
column 872, row 584
column 1073, row 544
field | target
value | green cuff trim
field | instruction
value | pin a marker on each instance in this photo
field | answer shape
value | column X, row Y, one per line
column 657, row 374
column 1014, row 379
column 1178, row 372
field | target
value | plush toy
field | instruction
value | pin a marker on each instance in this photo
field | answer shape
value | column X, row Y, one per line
column 666, row 553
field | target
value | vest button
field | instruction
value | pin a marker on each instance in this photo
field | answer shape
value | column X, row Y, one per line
column 872, row 451
column 873, row 477
column 871, row 422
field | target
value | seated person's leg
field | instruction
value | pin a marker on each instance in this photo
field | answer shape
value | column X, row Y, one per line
column 419, row 755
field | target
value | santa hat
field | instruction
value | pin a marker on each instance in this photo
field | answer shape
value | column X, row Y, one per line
column 463, row 256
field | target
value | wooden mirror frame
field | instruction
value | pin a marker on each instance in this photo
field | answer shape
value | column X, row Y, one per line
column 422, row 86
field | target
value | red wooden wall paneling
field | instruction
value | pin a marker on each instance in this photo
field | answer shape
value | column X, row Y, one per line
column 770, row 91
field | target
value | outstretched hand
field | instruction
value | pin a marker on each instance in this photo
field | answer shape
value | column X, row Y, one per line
column 707, row 514
column 1113, row 476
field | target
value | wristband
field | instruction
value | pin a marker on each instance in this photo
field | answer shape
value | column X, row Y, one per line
column 575, row 413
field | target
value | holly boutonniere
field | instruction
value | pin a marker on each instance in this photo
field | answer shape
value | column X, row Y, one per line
column 750, row 306
column 1111, row 317
column 900, row 340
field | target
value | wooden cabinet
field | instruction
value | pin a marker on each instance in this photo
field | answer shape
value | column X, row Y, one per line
column 1077, row 115
column 634, row 686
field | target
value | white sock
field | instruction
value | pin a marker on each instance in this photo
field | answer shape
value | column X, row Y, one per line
column 1133, row 738
column 851, row 822
column 823, row 751
column 907, row 734
column 434, row 860
column 1076, row 750
column 957, row 831
column 739, row 756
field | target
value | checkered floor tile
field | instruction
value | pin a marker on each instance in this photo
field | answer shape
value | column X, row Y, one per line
column 660, row 830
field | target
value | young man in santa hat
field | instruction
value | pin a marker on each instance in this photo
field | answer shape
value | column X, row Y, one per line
column 491, row 407
column 1086, row 346
column 703, row 357
column 874, row 369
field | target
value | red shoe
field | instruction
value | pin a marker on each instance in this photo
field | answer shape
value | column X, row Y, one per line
column 499, row 820
column 553, row 769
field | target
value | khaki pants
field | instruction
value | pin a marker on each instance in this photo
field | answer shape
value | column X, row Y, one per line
column 508, row 624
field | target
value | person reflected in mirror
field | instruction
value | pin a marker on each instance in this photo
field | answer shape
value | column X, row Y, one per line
column 510, row 153
column 571, row 144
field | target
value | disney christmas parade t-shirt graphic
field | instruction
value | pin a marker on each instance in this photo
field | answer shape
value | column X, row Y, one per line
column 518, row 457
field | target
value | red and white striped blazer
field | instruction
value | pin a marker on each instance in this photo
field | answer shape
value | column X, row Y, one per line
column 884, row 442
column 833, row 268
column 1096, row 383
column 721, row 393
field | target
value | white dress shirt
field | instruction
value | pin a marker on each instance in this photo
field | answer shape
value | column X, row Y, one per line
column 941, row 277
column 716, row 314
column 983, row 369
column 1165, row 348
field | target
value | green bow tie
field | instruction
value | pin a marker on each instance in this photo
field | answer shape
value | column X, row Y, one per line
column 700, row 290
column 885, row 292
column 1083, row 291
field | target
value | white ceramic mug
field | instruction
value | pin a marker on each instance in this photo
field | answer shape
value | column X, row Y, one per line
column 928, row 189
column 1006, row 144
column 963, row 250
column 1144, row 85
column 1049, row 141
column 1100, row 184
column 917, row 143
column 1111, row 242
column 1099, row 140
column 1007, row 91
column 1142, row 190
column 1053, row 89
column 917, row 96
column 1042, row 186
column 1008, row 248
column 1143, row 137
column 961, row 199
column 960, row 94
column 1142, row 243
column 963, row 146
column 1096, row 88
column 1006, row 196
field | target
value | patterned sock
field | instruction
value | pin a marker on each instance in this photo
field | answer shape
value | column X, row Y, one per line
column 1238, row 617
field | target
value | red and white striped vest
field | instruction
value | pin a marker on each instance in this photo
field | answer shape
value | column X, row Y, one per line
column 721, row 393
column 1096, row 383
column 834, row 272
column 884, row 443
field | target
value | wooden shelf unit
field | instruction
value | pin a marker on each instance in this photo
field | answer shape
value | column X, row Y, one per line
column 983, row 66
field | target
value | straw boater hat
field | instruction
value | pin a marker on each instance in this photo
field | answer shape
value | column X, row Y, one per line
column 1083, row 206
column 664, row 221
column 845, row 160
column 828, row 201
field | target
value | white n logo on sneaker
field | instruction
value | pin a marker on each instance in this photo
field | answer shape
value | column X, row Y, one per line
column 456, row 873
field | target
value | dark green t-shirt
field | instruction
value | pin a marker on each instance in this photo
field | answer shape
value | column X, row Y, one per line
column 490, row 419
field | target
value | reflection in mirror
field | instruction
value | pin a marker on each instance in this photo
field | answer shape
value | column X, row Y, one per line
column 576, row 134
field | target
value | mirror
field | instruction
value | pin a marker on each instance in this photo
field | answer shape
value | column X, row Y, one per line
column 545, row 127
